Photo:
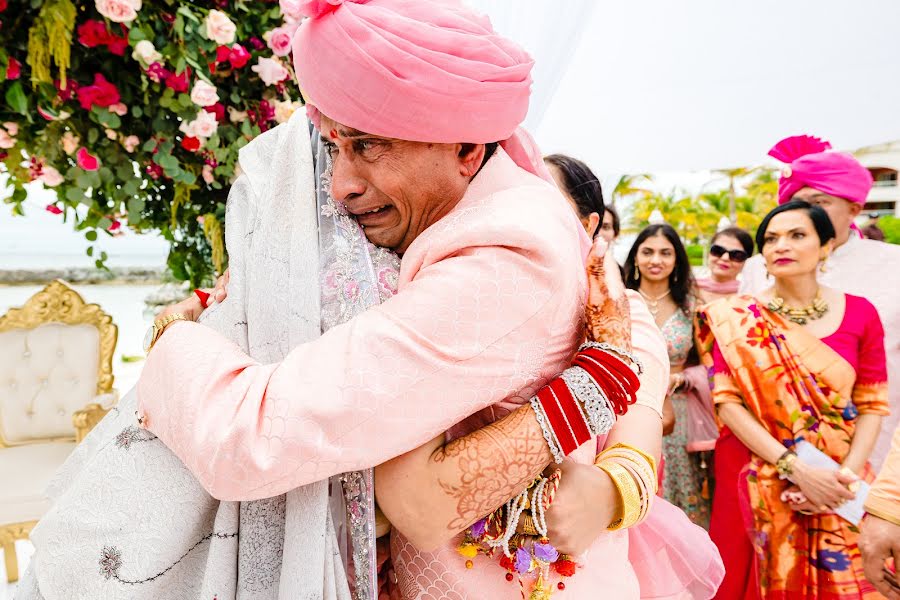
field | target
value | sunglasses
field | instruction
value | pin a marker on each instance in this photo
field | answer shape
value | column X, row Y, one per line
column 735, row 255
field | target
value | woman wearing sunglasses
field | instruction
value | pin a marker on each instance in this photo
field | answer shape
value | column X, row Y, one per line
column 730, row 248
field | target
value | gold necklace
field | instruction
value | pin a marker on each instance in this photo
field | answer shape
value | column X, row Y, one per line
column 802, row 315
column 653, row 303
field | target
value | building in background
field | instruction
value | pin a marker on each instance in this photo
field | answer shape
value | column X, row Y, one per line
column 883, row 161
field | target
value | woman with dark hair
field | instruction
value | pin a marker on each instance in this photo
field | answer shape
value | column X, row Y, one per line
column 580, row 187
column 728, row 251
column 800, row 384
column 610, row 226
column 659, row 269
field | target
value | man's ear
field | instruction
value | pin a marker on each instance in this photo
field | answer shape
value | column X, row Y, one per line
column 855, row 209
column 470, row 158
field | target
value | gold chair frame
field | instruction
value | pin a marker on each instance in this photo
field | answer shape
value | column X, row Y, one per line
column 59, row 303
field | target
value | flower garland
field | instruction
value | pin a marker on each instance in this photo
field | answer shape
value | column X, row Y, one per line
column 125, row 108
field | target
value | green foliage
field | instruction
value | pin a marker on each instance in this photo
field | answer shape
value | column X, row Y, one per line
column 696, row 218
column 890, row 225
column 146, row 168
column 695, row 254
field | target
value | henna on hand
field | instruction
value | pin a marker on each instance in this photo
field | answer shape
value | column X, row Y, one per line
column 493, row 464
column 607, row 313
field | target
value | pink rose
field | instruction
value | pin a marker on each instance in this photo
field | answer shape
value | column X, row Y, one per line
column 290, row 9
column 131, row 143
column 6, row 140
column 203, row 126
column 204, row 94
column 50, row 176
column 118, row 11
column 219, row 28
column 270, row 70
column 156, row 72
column 207, row 174
column 280, row 39
column 54, row 209
column 86, row 160
column 12, row 128
column 119, row 109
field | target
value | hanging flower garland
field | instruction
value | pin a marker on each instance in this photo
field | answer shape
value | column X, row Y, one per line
column 133, row 112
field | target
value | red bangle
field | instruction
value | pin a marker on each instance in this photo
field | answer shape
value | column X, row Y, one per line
column 618, row 382
column 572, row 411
column 556, row 420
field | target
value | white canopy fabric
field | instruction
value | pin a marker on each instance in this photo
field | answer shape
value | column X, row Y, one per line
column 655, row 85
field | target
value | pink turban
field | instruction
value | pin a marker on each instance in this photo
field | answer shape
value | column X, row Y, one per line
column 417, row 70
column 810, row 164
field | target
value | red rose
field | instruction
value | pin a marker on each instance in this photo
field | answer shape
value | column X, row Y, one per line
column 180, row 82
column 3, row 4
column 191, row 144
column 51, row 208
column 93, row 33
column 102, row 94
column 116, row 225
column 238, row 57
column 222, row 53
column 566, row 568
column 118, row 45
column 13, row 69
column 67, row 93
column 217, row 109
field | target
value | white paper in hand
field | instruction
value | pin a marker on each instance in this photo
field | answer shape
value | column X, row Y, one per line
column 851, row 511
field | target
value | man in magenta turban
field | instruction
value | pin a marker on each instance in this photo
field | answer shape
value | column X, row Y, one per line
column 837, row 182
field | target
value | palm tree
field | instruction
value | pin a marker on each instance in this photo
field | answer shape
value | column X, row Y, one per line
column 732, row 175
column 630, row 185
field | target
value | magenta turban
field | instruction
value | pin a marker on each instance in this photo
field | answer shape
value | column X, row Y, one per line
column 811, row 163
column 418, row 70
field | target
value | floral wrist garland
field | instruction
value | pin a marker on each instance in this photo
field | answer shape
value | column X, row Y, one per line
column 528, row 555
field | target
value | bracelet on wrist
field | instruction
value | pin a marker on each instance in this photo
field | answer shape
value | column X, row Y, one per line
column 785, row 464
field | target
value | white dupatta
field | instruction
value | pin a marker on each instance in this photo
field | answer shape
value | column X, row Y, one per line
column 129, row 520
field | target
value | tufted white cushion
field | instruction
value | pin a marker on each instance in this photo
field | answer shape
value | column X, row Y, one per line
column 26, row 472
column 46, row 374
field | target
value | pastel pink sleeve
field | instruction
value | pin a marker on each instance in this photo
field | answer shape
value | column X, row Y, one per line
column 650, row 346
column 467, row 332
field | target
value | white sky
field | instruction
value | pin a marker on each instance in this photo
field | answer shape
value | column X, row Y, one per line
column 662, row 85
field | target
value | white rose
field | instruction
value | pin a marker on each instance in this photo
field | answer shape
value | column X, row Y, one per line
column 12, row 128
column 118, row 11
column 236, row 116
column 204, row 94
column 110, row 134
column 145, row 53
column 50, row 176
column 205, row 125
column 270, row 70
column 219, row 27
column 284, row 110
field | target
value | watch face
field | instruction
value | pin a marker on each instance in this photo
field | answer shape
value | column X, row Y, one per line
column 148, row 338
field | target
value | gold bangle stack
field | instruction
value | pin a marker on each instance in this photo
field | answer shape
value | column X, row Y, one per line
column 634, row 474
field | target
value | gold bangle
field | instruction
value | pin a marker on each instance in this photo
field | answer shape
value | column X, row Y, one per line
column 641, row 470
column 785, row 464
column 628, row 492
column 620, row 446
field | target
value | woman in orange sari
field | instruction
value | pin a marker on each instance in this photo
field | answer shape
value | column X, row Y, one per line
column 800, row 362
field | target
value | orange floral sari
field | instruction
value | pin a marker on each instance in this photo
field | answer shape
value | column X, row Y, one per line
column 798, row 388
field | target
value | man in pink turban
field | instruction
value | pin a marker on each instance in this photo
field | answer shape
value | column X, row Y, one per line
column 838, row 183
column 418, row 103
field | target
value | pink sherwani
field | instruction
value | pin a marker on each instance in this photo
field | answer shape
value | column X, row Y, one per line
column 490, row 303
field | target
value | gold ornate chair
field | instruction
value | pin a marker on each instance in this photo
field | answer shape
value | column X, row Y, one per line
column 56, row 383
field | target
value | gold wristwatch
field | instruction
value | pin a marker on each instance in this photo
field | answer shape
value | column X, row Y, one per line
column 158, row 327
column 785, row 464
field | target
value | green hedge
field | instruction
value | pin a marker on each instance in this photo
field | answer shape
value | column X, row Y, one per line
column 695, row 254
column 891, row 227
